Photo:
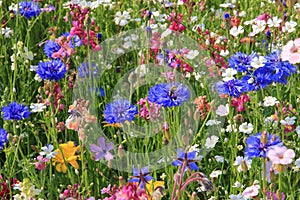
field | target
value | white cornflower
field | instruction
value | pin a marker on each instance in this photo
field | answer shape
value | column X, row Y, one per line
column 289, row 27
column 274, row 22
column 246, row 128
column 211, row 141
column 229, row 74
column 258, row 62
column 288, row 121
column 235, row 31
column 270, row 101
column 37, row 107
column 122, row 18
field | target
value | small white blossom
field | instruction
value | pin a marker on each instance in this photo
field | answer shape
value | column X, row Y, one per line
column 289, row 27
column 192, row 54
column 274, row 22
column 224, row 53
column 121, row 19
column 229, row 74
column 219, row 159
column 212, row 122
column 211, row 141
column 288, row 121
column 215, row 174
column 246, row 128
column 235, row 31
column 258, row 62
column 236, row 197
column 37, row 107
column 223, row 110
column 298, row 131
column 6, row 32
column 270, row 101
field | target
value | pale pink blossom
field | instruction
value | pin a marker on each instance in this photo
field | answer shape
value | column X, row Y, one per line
column 281, row 155
column 291, row 51
column 251, row 191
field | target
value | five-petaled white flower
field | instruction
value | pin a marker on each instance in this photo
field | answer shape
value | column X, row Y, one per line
column 211, row 141
column 121, row 19
column 274, row 22
column 235, row 31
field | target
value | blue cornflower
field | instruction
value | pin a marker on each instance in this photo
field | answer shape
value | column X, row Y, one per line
column 278, row 69
column 168, row 94
column 51, row 70
column 29, row 9
column 260, row 79
column 141, row 176
column 50, row 48
column 186, row 157
column 256, row 147
column 15, row 111
column 3, row 138
column 233, row 87
column 120, row 111
column 84, row 69
column 241, row 61
column 226, row 16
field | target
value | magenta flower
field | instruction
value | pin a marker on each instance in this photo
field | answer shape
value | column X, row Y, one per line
column 291, row 51
column 281, row 155
column 41, row 163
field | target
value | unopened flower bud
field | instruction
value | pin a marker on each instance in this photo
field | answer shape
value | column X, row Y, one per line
column 244, row 166
column 264, row 137
column 272, row 174
column 121, row 181
column 278, row 194
column 194, row 196
column 120, row 151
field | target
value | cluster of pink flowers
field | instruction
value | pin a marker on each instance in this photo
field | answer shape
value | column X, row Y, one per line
column 239, row 102
column 79, row 17
column 176, row 23
column 124, row 192
column 148, row 113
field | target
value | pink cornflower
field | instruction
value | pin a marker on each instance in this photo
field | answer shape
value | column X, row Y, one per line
column 251, row 191
column 41, row 164
column 291, row 51
column 281, row 155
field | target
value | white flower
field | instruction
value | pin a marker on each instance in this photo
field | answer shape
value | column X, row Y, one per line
column 288, row 121
column 212, row 122
column 242, row 14
column 298, row 131
column 274, row 22
column 122, row 19
column 6, row 32
column 192, row 54
column 238, row 162
column 211, row 142
column 297, row 163
column 223, row 110
column 250, row 22
column 37, row 107
column 215, row 174
column 219, row 159
column 259, row 26
column 224, row 53
column 237, row 185
column 246, row 128
column 235, row 31
column 236, row 197
column 227, row 5
column 289, row 27
column 141, row 70
column 258, row 62
column 270, row 101
column 229, row 74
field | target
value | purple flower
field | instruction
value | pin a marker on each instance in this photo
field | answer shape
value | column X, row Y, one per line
column 141, row 176
column 15, row 111
column 258, row 148
column 168, row 94
column 102, row 150
column 186, row 157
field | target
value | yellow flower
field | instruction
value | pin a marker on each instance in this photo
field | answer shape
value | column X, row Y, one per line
column 151, row 187
column 66, row 153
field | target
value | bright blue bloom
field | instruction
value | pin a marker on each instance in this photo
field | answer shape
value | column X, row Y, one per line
column 15, row 111
column 241, row 61
column 226, row 16
column 84, row 69
column 169, row 94
column 233, row 87
column 120, row 111
column 3, row 138
column 141, row 176
column 29, row 9
column 255, row 147
column 75, row 40
column 48, row 151
column 51, row 70
column 188, row 158
column 260, row 79
column 50, row 48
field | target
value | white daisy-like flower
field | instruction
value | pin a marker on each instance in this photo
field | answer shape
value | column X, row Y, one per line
column 37, row 107
column 235, row 31
column 211, row 141
column 289, row 26
column 229, row 74
column 288, row 121
column 246, row 128
column 274, row 22
column 270, row 101
column 122, row 19
column 258, row 62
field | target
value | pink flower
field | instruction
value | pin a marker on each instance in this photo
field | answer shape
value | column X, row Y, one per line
column 291, row 51
column 40, row 165
column 281, row 155
column 251, row 191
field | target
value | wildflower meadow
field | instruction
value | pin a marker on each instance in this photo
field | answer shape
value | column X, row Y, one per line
column 149, row 100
